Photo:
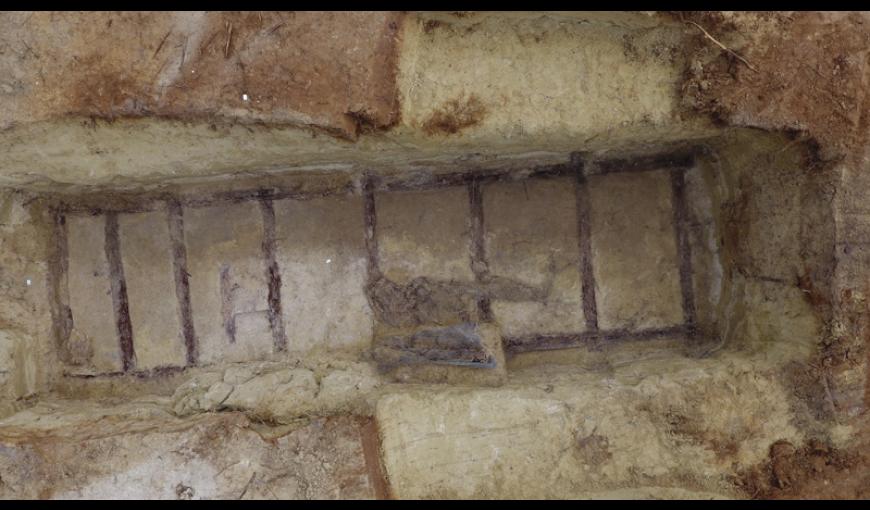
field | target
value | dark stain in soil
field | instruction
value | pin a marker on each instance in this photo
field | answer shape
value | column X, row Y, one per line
column 455, row 115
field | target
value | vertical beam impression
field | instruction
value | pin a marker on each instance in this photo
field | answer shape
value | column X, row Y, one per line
column 478, row 248
column 228, row 314
column 684, row 250
column 273, row 275
column 61, row 314
column 587, row 276
column 370, row 219
column 182, row 283
column 119, row 293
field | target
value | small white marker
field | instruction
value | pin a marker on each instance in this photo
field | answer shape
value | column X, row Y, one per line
column 328, row 261
column 244, row 97
column 28, row 282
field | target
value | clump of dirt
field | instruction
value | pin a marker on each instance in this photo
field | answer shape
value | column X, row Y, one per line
column 593, row 449
column 367, row 122
column 455, row 115
column 816, row 470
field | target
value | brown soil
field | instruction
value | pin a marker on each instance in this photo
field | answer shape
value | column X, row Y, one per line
column 813, row 471
column 334, row 71
column 809, row 74
column 803, row 73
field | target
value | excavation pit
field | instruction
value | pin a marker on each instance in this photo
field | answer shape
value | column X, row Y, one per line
column 326, row 293
column 578, row 254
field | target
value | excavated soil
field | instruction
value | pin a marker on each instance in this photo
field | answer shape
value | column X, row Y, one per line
column 814, row 470
column 801, row 71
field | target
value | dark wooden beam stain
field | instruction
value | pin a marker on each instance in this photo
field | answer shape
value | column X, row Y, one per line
column 684, row 249
column 426, row 180
column 58, row 268
column 421, row 180
column 527, row 343
column 478, row 247
column 370, row 219
column 182, row 280
column 119, row 293
column 161, row 371
column 676, row 159
column 273, row 275
column 584, row 241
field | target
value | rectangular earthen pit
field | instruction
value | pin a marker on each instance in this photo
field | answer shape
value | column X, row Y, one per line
column 569, row 255
column 529, row 288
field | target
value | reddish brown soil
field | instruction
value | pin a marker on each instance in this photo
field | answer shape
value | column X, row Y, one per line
column 330, row 70
column 812, row 471
column 808, row 75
